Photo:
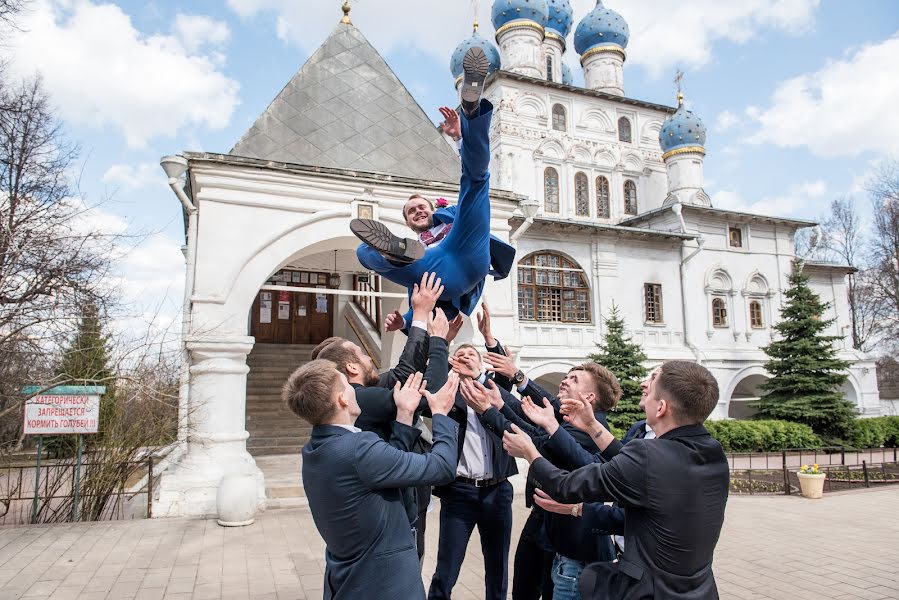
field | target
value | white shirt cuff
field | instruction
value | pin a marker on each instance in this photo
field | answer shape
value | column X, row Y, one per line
column 459, row 144
column 420, row 325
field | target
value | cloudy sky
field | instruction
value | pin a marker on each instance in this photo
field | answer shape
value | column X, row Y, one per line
column 801, row 97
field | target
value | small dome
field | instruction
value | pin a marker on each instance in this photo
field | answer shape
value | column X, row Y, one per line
column 601, row 27
column 561, row 17
column 683, row 129
column 506, row 11
column 475, row 40
column 567, row 77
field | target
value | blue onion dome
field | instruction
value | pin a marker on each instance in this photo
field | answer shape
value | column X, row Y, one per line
column 567, row 77
column 507, row 11
column 561, row 17
column 601, row 27
column 475, row 41
column 682, row 131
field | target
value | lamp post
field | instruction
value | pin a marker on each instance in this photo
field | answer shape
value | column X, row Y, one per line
column 334, row 278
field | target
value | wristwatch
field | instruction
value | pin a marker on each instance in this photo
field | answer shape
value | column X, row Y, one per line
column 575, row 510
column 518, row 378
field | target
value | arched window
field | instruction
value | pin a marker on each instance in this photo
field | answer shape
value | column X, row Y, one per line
column 630, row 197
column 551, row 190
column 581, row 195
column 719, row 312
column 549, row 68
column 624, row 130
column 755, row 315
column 559, row 118
column 552, row 288
column 603, row 198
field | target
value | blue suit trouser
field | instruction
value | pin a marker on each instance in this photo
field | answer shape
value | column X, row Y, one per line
column 462, row 506
column 462, row 259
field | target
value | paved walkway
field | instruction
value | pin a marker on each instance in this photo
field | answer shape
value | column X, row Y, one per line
column 845, row 546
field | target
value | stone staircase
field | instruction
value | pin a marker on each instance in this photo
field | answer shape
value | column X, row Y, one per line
column 273, row 428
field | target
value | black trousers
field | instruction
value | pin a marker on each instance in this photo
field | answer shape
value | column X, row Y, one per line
column 533, row 563
column 423, row 494
column 462, row 506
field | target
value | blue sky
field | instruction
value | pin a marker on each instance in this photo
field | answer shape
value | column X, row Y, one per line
column 799, row 96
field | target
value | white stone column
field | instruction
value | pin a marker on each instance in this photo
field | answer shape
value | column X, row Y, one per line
column 604, row 70
column 217, row 436
column 522, row 49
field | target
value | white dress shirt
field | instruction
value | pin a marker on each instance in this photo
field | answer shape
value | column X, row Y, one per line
column 477, row 451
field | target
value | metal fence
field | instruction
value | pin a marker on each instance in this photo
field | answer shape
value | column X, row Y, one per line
column 56, row 492
column 776, row 473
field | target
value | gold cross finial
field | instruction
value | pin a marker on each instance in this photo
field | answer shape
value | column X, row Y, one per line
column 346, row 13
column 475, row 26
column 679, row 85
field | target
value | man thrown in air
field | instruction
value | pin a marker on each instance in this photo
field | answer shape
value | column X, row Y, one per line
column 462, row 259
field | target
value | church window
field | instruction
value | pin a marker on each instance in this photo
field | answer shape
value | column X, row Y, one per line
column 549, row 68
column 735, row 237
column 603, row 199
column 551, row 190
column 755, row 315
column 582, row 195
column 552, row 288
column 559, row 123
column 652, row 301
column 630, row 197
column 719, row 312
column 624, row 130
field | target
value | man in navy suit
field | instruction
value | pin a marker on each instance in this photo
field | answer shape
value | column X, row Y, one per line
column 462, row 258
column 353, row 480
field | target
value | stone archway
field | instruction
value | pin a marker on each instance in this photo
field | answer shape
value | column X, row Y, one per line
column 744, row 392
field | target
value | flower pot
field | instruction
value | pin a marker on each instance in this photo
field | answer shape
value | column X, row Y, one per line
column 811, row 486
column 236, row 500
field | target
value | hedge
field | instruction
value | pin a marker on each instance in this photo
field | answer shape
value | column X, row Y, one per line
column 874, row 433
column 762, row 436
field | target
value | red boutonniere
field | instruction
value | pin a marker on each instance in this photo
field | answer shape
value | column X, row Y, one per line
column 442, row 203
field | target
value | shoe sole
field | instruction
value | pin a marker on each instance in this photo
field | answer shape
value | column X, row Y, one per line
column 475, row 65
column 376, row 235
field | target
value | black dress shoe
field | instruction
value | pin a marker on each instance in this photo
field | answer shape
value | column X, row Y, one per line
column 475, row 65
column 395, row 249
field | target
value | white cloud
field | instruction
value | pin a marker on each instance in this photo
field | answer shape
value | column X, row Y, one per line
column 726, row 120
column 664, row 34
column 133, row 178
column 803, row 200
column 846, row 108
column 103, row 72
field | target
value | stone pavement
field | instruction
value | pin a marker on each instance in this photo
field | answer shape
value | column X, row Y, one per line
column 845, row 546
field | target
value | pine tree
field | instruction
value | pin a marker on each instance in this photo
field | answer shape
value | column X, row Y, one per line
column 85, row 361
column 806, row 373
column 625, row 359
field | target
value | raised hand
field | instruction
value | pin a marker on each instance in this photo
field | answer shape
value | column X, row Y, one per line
column 498, row 363
column 542, row 416
column 425, row 295
column 438, row 326
column 408, row 397
column 464, row 367
column 580, row 414
column 484, row 326
column 451, row 125
column 545, row 502
column 454, row 327
column 394, row 322
column 519, row 444
column 479, row 397
column 442, row 402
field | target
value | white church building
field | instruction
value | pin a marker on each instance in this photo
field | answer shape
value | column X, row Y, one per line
column 601, row 194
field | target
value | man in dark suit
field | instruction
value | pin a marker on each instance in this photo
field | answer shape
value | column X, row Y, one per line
column 353, row 480
column 673, row 489
column 481, row 495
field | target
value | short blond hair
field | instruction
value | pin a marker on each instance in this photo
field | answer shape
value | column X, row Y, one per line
column 607, row 388
column 309, row 391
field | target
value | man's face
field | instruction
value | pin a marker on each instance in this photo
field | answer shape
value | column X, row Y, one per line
column 349, row 395
column 469, row 362
column 651, row 402
column 418, row 214
column 369, row 372
column 578, row 385
column 644, row 386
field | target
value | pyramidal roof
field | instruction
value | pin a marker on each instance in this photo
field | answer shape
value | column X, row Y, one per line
column 346, row 109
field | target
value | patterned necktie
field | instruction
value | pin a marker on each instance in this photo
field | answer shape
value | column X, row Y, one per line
column 427, row 238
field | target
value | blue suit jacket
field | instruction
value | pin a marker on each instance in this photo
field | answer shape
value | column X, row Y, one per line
column 353, row 482
column 502, row 255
